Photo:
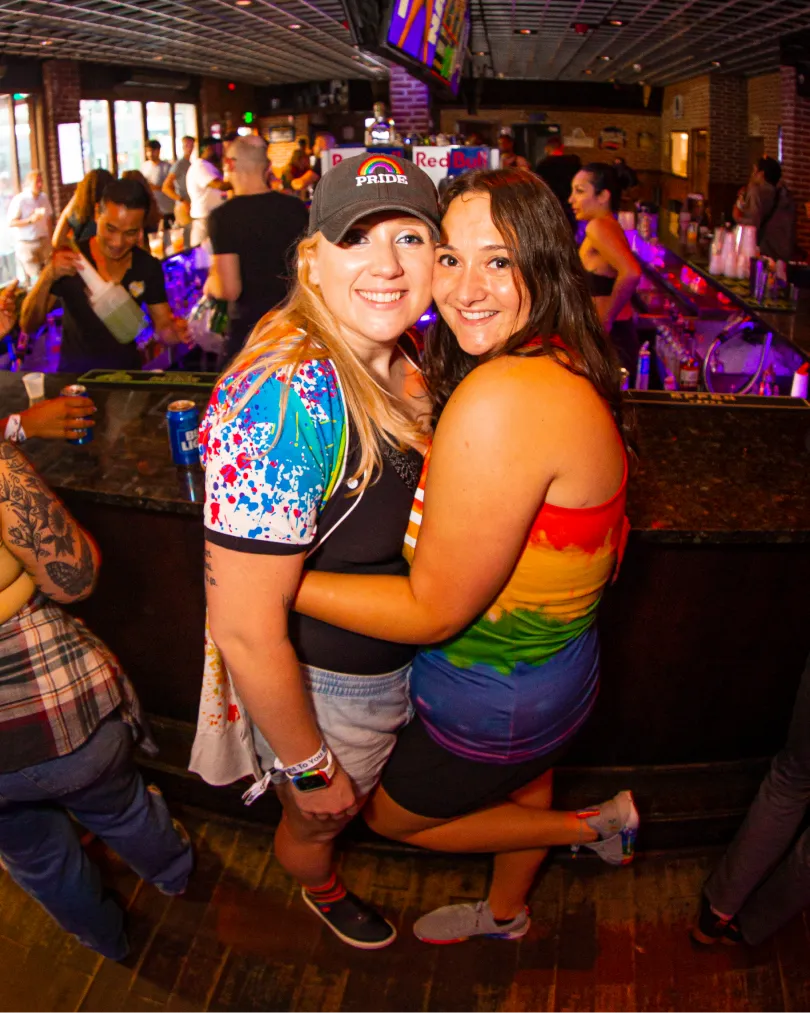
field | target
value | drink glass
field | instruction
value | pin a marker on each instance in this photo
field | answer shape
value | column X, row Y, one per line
column 34, row 384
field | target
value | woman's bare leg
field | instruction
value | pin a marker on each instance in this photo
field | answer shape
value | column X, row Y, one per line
column 305, row 847
column 505, row 827
column 514, row 872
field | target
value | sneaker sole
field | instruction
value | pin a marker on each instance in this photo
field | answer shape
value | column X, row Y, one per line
column 503, row 936
column 356, row 943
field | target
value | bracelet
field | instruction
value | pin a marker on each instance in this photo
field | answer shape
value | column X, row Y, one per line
column 299, row 768
column 14, row 430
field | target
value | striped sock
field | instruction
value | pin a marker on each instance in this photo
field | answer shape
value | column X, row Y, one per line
column 330, row 893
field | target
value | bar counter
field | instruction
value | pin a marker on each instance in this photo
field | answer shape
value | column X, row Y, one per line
column 704, row 633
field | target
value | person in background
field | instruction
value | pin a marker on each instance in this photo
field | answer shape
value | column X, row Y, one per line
column 768, row 205
column 175, row 188
column 506, row 146
column 206, row 187
column 302, row 184
column 114, row 252
column 252, row 236
column 611, row 270
column 156, row 171
column 763, row 880
column 152, row 220
column 70, row 720
column 557, row 170
column 57, row 418
column 30, row 216
column 516, row 530
column 79, row 216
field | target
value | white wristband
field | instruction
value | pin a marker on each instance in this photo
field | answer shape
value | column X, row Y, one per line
column 299, row 768
column 14, row 429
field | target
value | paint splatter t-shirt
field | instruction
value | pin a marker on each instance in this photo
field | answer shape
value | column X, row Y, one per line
column 263, row 493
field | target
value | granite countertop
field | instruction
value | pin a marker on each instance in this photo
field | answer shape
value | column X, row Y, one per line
column 128, row 462
column 705, row 474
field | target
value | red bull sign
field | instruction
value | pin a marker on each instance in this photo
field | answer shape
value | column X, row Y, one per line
column 439, row 162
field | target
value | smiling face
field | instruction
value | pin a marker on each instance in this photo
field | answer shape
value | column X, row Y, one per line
column 584, row 199
column 118, row 229
column 477, row 288
column 376, row 281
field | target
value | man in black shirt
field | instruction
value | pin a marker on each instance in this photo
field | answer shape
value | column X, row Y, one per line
column 253, row 236
column 557, row 170
column 113, row 251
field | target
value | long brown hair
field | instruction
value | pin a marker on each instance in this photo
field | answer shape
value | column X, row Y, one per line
column 88, row 194
column 540, row 244
column 152, row 217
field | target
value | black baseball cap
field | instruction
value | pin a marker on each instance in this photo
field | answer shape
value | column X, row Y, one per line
column 367, row 184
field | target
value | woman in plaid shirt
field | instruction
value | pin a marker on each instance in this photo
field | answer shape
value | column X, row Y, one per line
column 69, row 719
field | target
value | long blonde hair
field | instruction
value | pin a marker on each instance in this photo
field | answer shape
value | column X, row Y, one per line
column 304, row 329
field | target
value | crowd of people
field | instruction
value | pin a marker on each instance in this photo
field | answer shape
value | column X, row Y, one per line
column 406, row 544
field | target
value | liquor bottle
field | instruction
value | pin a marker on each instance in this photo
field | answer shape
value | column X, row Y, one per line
column 643, row 367
column 379, row 132
column 689, row 373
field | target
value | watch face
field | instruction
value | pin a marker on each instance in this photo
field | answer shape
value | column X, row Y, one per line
column 311, row 780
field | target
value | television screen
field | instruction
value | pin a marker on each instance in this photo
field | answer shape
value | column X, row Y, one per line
column 432, row 33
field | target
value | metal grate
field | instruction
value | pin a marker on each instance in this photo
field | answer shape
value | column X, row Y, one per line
column 658, row 41
column 249, row 43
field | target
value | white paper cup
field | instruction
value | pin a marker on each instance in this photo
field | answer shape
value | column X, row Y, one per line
column 34, row 384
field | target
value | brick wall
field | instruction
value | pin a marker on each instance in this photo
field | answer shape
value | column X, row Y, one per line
column 591, row 123
column 61, row 94
column 410, row 103
column 696, row 105
column 728, row 130
column 796, row 151
column 765, row 109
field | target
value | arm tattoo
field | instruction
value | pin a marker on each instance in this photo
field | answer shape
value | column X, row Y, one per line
column 42, row 526
column 38, row 524
column 73, row 579
column 209, row 570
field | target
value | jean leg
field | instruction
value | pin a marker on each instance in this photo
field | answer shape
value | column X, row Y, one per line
column 784, row 894
column 132, row 820
column 774, row 816
column 43, row 855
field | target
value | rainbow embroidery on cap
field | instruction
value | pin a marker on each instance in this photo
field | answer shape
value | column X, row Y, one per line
column 380, row 169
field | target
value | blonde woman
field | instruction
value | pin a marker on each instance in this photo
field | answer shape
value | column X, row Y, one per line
column 309, row 446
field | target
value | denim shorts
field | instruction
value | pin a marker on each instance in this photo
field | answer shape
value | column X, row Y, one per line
column 359, row 717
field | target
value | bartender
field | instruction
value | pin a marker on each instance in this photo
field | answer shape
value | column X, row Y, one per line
column 115, row 254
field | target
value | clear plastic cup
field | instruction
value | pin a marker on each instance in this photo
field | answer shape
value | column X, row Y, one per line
column 177, row 240
column 156, row 244
column 34, row 384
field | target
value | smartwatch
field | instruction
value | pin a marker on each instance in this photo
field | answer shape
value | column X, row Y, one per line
column 314, row 780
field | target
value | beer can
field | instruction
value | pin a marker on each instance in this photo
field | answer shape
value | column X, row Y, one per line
column 184, row 420
column 78, row 390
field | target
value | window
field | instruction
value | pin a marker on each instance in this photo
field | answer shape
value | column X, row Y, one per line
column 95, row 119
column 679, row 158
column 185, row 124
column 22, row 133
column 129, row 139
column 159, row 127
column 19, row 154
column 8, row 188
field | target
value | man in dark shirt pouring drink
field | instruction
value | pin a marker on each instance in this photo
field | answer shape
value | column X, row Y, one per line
column 86, row 342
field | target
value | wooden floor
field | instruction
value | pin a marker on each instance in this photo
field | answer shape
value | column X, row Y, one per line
column 240, row 939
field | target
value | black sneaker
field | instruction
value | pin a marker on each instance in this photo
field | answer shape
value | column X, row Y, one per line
column 354, row 922
column 711, row 928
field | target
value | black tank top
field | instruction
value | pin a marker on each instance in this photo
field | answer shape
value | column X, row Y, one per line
column 368, row 540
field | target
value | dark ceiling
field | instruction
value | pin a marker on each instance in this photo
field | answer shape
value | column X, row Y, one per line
column 651, row 41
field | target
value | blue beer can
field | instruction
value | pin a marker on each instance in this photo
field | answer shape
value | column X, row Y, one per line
column 78, row 390
column 184, row 420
